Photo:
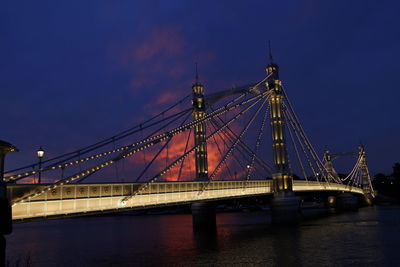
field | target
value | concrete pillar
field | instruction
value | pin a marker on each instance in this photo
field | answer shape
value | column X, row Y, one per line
column 203, row 215
column 346, row 202
column 285, row 208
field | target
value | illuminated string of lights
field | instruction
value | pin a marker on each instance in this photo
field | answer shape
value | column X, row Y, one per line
column 231, row 135
column 116, row 137
column 186, row 147
column 228, row 153
column 258, row 142
column 149, row 142
column 158, row 153
column 104, row 142
column 162, row 136
column 309, row 146
column 185, row 155
column 306, row 146
column 219, row 149
column 99, row 155
column 297, row 152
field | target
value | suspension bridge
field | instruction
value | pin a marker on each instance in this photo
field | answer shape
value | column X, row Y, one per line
column 211, row 148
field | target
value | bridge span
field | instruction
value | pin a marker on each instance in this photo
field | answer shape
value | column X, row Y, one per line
column 80, row 199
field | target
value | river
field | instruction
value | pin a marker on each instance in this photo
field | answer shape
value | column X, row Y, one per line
column 368, row 237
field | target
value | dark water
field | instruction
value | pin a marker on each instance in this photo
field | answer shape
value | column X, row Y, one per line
column 369, row 237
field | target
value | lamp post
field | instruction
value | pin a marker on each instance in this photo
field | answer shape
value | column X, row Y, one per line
column 40, row 154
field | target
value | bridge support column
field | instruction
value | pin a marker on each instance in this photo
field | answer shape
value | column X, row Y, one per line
column 203, row 215
column 285, row 208
column 347, row 202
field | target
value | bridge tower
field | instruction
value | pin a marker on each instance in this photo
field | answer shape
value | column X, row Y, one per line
column 328, row 164
column 199, row 111
column 366, row 184
column 285, row 205
column 282, row 178
column 203, row 213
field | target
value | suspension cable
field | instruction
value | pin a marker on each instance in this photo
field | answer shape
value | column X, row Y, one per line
column 149, row 143
column 228, row 153
column 174, row 163
column 297, row 152
column 258, row 142
column 101, row 143
column 231, row 135
column 302, row 132
column 20, row 176
column 158, row 153
column 219, row 149
column 186, row 147
column 291, row 123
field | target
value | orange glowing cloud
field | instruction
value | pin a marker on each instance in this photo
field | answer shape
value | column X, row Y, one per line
column 160, row 42
column 166, row 97
column 216, row 149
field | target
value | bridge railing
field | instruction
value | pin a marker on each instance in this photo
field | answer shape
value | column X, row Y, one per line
column 303, row 186
column 73, row 199
column 82, row 198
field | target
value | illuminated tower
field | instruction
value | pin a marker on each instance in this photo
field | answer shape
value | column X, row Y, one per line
column 365, row 178
column 199, row 111
column 282, row 178
column 328, row 164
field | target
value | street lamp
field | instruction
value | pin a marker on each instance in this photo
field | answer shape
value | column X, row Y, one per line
column 40, row 154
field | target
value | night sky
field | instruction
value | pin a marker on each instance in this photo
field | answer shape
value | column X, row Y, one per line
column 74, row 72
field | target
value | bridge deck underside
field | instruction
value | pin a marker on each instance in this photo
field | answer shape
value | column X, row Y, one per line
column 75, row 199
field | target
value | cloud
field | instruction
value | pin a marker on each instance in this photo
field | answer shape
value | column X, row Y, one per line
column 161, row 43
column 176, row 148
column 167, row 97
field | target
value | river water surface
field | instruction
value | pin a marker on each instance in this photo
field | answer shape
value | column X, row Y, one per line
column 369, row 237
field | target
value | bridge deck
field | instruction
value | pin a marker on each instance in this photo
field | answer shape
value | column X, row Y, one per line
column 74, row 199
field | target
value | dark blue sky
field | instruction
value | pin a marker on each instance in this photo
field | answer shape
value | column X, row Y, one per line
column 73, row 72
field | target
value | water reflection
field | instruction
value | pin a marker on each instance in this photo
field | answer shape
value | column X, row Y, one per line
column 205, row 239
column 368, row 237
column 285, row 246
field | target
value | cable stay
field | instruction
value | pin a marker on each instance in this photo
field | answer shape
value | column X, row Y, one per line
column 303, row 139
column 186, row 147
column 219, row 149
column 158, row 153
column 231, row 140
column 177, row 161
column 231, row 135
column 229, row 106
column 20, row 176
column 258, row 142
column 144, row 144
column 101, row 143
column 228, row 153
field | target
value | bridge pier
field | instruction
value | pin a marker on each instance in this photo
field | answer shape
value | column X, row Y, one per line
column 347, row 202
column 203, row 215
column 285, row 208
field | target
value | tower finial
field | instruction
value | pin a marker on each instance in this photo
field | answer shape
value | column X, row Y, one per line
column 270, row 53
column 197, row 74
